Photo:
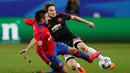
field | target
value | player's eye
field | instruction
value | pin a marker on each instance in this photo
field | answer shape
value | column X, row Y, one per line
column 52, row 10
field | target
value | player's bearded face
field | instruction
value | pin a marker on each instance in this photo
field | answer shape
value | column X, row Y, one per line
column 52, row 11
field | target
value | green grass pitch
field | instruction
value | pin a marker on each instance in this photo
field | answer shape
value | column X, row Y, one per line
column 12, row 62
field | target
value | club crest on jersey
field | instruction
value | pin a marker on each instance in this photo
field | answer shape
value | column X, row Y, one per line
column 39, row 43
column 59, row 19
column 49, row 25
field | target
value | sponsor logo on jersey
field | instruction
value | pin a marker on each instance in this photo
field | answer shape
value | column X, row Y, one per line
column 59, row 19
column 56, row 27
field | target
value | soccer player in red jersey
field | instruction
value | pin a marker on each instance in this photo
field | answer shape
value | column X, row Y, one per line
column 47, row 49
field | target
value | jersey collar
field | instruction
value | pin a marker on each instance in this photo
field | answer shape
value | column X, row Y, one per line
column 40, row 24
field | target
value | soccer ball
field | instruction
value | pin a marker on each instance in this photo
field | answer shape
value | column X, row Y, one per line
column 105, row 63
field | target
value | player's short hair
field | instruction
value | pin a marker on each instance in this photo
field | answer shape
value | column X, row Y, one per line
column 47, row 5
column 40, row 14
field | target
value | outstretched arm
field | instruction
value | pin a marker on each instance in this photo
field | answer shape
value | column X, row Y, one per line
column 32, row 42
column 29, row 21
column 90, row 24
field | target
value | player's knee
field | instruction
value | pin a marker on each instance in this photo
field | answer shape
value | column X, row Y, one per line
column 75, row 50
column 71, row 50
column 82, row 46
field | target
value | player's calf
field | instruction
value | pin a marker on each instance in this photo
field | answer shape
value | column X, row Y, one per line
column 72, row 63
column 82, row 46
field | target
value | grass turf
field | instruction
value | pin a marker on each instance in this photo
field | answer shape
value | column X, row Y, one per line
column 12, row 62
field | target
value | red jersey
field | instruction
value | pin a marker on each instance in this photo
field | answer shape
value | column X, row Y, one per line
column 42, row 36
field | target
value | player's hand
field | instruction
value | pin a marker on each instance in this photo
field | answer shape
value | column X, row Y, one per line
column 91, row 24
column 23, row 51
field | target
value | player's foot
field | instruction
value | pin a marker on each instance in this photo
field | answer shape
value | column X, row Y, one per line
column 112, row 66
column 93, row 56
column 81, row 70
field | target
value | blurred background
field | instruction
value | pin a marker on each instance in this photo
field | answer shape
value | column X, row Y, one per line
column 111, row 18
column 111, row 34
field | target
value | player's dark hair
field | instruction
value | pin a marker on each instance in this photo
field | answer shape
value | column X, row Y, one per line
column 40, row 14
column 47, row 5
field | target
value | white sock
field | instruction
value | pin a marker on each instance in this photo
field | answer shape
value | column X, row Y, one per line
column 78, row 66
column 100, row 57
column 90, row 51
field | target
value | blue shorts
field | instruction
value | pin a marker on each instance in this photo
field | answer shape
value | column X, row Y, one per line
column 60, row 48
column 57, row 64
